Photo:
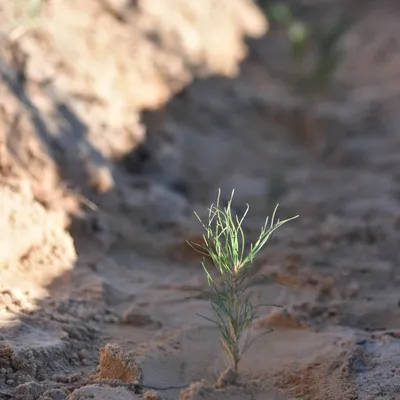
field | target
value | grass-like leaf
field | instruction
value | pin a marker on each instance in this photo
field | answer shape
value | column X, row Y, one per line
column 231, row 291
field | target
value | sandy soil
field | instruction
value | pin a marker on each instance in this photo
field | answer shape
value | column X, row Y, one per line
column 111, row 135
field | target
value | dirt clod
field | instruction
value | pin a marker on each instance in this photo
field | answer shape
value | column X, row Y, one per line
column 55, row 394
column 28, row 391
column 113, row 133
column 102, row 393
column 133, row 316
column 152, row 395
column 117, row 364
column 228, row 377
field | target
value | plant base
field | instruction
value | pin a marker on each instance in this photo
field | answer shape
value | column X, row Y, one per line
column 227, row 377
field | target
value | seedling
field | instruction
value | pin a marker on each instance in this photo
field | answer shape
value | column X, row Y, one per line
column 231, row 291
column 324, row 42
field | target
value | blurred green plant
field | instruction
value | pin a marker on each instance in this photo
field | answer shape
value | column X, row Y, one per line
column 323, row 41
column 329, row 53
column 231, row 292
column 298, row 32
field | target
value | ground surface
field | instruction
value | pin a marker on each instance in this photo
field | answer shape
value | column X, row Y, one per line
column 111, row 134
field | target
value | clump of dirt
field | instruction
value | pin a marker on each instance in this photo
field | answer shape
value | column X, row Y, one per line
column 35, row 249
column 26, row 224
column 102, row 393
column 152, row 395
column 112, row 134
column 120, row 376
column 115, row 364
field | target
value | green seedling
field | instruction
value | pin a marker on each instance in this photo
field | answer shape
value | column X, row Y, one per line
column 231, row 290
column 329, row 51
column 323, row 42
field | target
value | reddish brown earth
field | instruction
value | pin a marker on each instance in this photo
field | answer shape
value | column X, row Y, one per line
column 119, row 119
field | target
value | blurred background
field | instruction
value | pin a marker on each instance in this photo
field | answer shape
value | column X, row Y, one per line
column 188, row 95
column 119, row 118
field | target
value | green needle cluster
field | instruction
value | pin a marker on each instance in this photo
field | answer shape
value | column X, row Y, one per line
column 231, row 291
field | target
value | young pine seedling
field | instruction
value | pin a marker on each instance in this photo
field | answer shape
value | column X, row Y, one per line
column 231, row 291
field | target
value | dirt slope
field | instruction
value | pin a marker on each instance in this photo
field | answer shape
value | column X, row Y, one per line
column 117, row 120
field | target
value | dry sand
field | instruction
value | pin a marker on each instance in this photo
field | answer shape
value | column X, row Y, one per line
column 99, row 293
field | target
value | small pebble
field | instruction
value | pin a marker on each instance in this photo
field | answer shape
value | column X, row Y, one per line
column 83, row 354
column 111, row 319
column 59, row 378
column 326, row 286
column 75, row 378
column 135, row 317
column 352, row 290
column 54, row 394
column 152, row 395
